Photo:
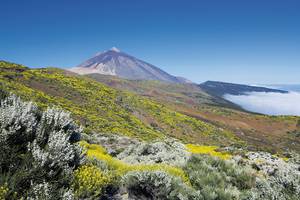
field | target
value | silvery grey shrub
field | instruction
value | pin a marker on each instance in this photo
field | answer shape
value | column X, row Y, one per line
column 218, row 179
column 168, row 151
column 38, row 150
column 157, row 185
column 132, row 151
column 53, row 146
column 279, row 180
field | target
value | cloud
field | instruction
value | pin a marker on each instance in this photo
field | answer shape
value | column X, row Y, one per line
column 268, row 103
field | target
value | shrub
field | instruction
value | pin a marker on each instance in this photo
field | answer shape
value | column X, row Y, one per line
column 209, row 150
column 90, row 181
column 94, row 151
column 37, row 149
column 47, row 191
column 156, row 185
column 3, row 191
column 41, row 191
column 169, row 152
column 53, row 147
column 279, row 180
column 218, row 179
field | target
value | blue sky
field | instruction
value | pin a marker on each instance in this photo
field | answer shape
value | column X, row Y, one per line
column 241, row 41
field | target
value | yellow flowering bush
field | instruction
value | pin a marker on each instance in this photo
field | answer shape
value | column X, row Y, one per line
column 120, row 168
column 90, row 181
column 209, row 150
column 3, row 191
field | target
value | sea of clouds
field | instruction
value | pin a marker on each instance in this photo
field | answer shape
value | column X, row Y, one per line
column 268, row 103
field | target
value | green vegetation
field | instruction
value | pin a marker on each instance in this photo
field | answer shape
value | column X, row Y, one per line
column 42, row 157
column 218, row 179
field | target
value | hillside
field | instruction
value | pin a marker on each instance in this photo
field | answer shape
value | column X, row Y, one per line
column 150, row 109
column 128, row 149
column 102, row 109
column 177, row 93
column 259, row 131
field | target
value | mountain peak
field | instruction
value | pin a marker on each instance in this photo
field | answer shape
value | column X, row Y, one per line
column 114, row 62
column 115, row 49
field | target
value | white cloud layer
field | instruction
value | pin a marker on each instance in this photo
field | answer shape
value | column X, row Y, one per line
column 268, row 103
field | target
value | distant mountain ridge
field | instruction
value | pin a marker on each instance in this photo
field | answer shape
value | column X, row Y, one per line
column 219, row 89
column 116, row 63
column 288, row 87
